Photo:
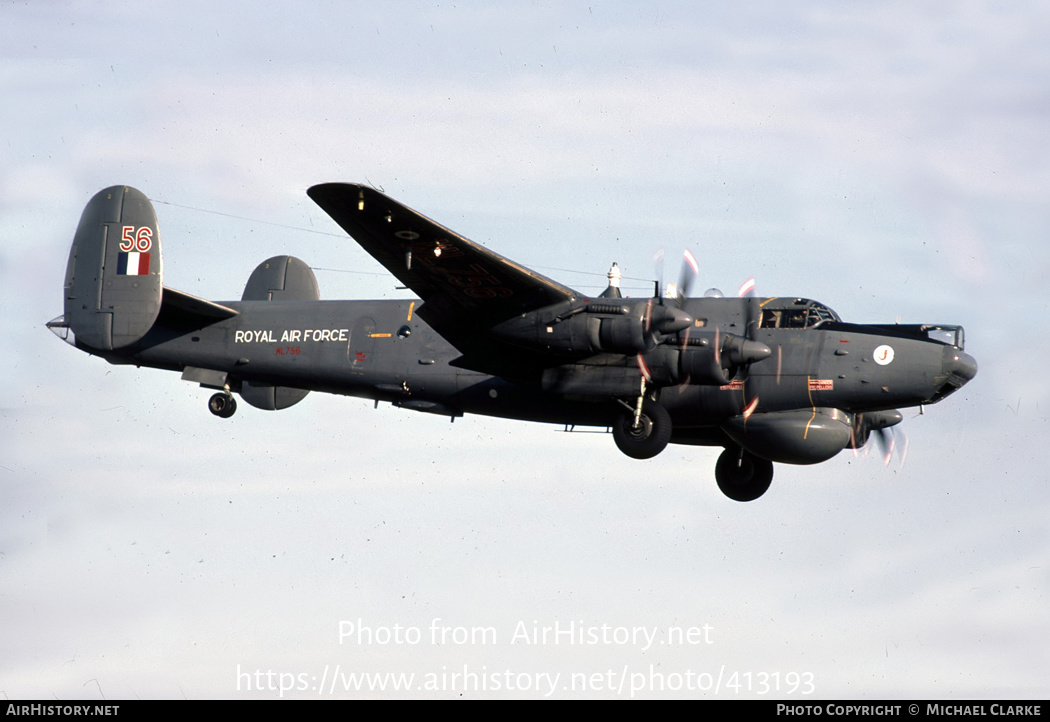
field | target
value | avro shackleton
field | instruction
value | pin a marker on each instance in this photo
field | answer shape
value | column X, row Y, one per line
column 769, row 379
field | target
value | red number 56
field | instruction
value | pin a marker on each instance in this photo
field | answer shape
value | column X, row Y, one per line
column 136, row 240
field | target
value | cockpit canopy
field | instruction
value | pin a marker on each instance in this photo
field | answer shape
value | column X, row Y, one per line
column 796, row 313
column 802, row 313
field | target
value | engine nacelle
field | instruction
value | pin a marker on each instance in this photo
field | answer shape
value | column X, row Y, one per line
column 801, row 436
column 702, row 361
column 626, row 327
column 671, row 365
column 624, row 334
column 563, row 328
column 712, row 358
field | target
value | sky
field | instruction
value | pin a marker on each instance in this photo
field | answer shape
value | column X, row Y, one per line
column 888, row 159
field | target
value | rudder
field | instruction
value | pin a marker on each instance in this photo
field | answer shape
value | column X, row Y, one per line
column 282, row 278
column 114, row 280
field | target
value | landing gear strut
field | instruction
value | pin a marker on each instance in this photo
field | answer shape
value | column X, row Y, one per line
column 222, row 405
column 742, row 476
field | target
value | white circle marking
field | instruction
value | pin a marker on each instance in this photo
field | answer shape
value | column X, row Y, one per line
column 883, row 355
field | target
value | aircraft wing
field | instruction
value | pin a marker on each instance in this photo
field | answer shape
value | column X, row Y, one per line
column 466, row 288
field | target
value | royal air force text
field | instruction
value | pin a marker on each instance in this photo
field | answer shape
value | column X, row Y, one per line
column 291, row 335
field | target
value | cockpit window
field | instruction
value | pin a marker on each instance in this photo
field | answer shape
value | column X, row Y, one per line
column 793, row 319
column 950, row 335
column 800, row 313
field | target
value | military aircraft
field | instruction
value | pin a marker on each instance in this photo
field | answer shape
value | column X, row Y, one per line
column 768, row 379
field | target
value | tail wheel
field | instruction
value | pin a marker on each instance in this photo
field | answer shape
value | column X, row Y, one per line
column 742, row 476
column 646, row 439
column 222, row 405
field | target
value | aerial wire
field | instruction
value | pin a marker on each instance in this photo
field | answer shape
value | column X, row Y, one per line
column 343, row 235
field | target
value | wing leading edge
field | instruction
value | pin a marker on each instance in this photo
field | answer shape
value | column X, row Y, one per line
column 466, row 288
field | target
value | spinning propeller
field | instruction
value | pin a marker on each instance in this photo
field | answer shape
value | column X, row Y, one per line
column 891, row 441
column 664, row 314
column 751, row 313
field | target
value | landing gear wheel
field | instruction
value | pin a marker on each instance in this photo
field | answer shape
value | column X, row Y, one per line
column 222, row 405
column 651, row 435
column 742, row 476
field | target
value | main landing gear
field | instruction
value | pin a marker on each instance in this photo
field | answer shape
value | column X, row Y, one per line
column 646, row 437
column 223, row 405
column 645, row 431
column 742, row 476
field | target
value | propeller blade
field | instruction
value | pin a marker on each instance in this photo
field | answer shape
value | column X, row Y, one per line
column 661, row 317
column 892, row 442
column 751, row 350
column 750, row 408
column 644, row 368
column 885, row 442
column 857, row 434
column 690, row 270
column 658, row 269
column 747, row 349
column 747, row 295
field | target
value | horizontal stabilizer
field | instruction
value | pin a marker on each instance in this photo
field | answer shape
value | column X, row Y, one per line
column 181, row 308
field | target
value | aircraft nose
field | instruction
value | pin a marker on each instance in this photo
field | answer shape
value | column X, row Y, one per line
column 960, row 365
column 959, row 368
